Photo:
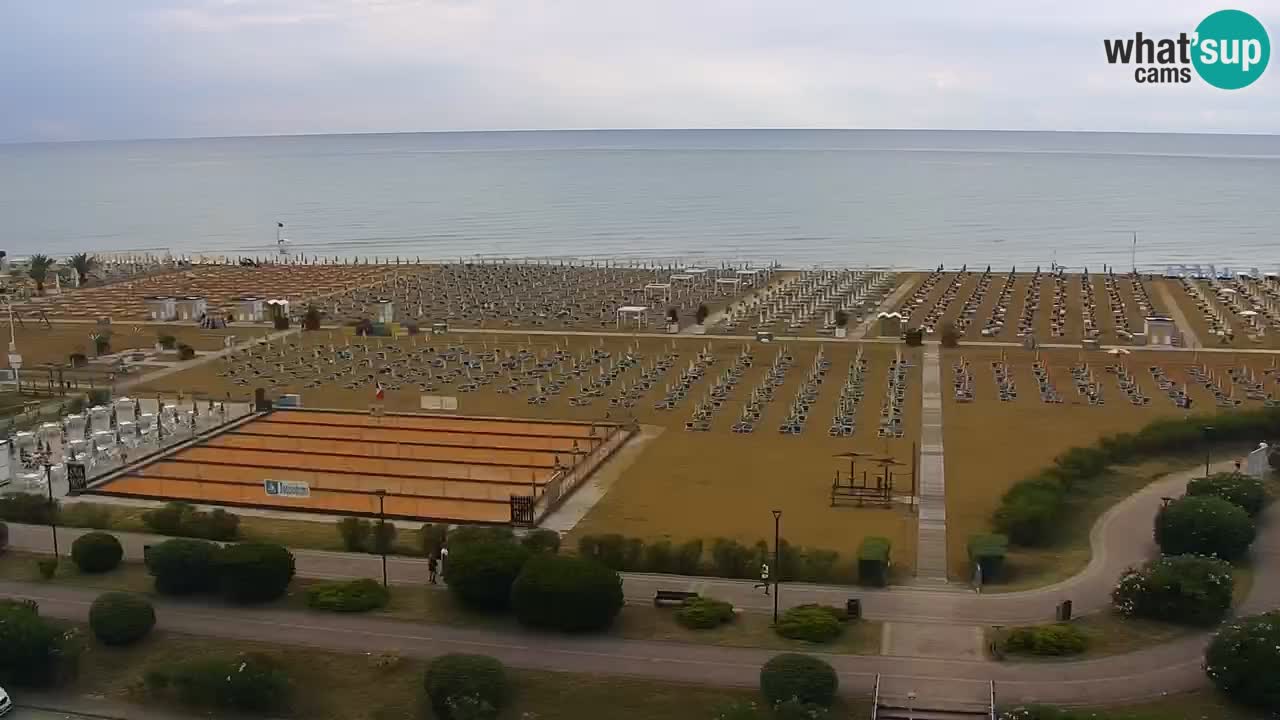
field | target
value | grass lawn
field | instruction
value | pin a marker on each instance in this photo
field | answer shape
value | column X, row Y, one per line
column 1201, row 705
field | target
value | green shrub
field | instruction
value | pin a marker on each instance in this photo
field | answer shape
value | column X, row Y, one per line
column 794, row 709
column 1185, row 589
column 168, row 342
column 563, row 592
column 186, row 352
column 29, row 508
column 355, row 533
column 1029, row 511
column 481, row 573
column 809, row 623
column 432, row 537
column 250, row 682
column 704, row 613
column 731, row 559
column 1058, row 639
column 182, row 519
column 454, row 677
column 1235, row 488
column 96, row 552
column 384, row 537
column 347, row 596
column 1242, row 659
column 1080, row 463
column 988, row 552
column 48, row 567
column 1204, row 525
column 85, row 515
column 182, row 566
column 873, row 561
column 4, row 537
column 659, row 557
column 119, row 618
column 818, row 566
column 689, row 558
column 542, row 541
column 253, row 572
column 613, row 551
column 470, row 534
column 29, row 646
column 802, row 677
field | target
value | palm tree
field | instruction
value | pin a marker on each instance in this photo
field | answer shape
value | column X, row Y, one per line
column 83, row 264
column 40, row 265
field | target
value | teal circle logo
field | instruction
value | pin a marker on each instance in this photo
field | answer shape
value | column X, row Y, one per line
column 1232, row 49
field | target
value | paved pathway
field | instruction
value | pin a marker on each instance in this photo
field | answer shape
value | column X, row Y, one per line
column 890, row 302
column 1190, row 340
column 931, row 522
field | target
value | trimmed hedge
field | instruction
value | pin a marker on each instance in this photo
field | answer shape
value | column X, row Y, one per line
column 181, row 519
column 4, row 537
column 432, row 537
column 253, row 572
column 96, row 552
column 988, row 552
column 1032, row 509
column 728, row 558
column 349, row 596
column 873, row 561
column 480, row 573
column 458, row 677
column 1242, row 660
column 1185, row 589
column 1051, row 640
column 811, row 623
column 119, row 618
column 182, row 566
column 29, row 508
column 29, row 646
column 1204, row 525
column 562, row 592
column 704, row 613
column 805, row 678
column 1235, row 488
column 471, row 534
column 250, row 682
column 542, row 541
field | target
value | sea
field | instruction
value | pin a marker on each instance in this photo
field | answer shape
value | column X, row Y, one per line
column 800, row 198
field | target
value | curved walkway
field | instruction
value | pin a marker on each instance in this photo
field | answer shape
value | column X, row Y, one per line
column 1120, row 539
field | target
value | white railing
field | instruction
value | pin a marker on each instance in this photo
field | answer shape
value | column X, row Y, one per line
column 993, row 700
column 875, row 702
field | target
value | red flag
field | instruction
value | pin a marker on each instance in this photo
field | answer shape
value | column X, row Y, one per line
column 380, row 393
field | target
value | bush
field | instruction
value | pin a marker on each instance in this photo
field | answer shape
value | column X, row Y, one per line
column 182, row 566
column 349, row 596
column 612, row 551
column 794, row 709
column 1235, row 488
column 809, row 623
column 455, row 677
column 689, row 558
column 1028, row 511
column 99, row 396
column 1054, row 640
column 250, row 682
column 355, row 533
column 4, row 537
column 96, row 552
column 914, row 337
column 384, row 537
column 731, row 559
column 86, row 515
column 433, row 537
column 568, row 593
column 167, row 341
column 1242, row 660
column 470, row 534
column 704, row 613
column 804, row 678
column 480, row 574
column 537, row 541
column 119, row 618
column 1204, row 525
column 1185, row 589
column 988, row 553
column 47, row 567
column 659, row 557
column 29, row 508
column 182, row 519
column 29, row 646
column 873, row 561
column 253, row 572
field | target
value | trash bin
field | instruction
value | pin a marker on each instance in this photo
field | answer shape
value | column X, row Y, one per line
column 1064, row 611
column 853, row 608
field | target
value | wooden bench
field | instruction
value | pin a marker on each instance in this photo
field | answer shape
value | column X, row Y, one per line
column 678, row 597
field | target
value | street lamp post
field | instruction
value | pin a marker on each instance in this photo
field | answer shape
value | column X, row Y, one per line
column 1208, row 441
column 777, row 562
column 381, row 534
column 53, row 515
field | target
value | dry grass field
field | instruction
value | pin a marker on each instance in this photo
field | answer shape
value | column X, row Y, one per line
column 1198, row 318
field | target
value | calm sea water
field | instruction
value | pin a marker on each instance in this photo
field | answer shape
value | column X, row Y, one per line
column 902, row 198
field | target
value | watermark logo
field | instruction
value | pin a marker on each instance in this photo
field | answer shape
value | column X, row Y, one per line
column 1229, row 50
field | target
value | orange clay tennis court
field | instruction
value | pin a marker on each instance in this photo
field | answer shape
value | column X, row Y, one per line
column 432, row 467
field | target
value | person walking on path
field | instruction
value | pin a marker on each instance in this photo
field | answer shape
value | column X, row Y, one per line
column 432, row 566
column 764, row 578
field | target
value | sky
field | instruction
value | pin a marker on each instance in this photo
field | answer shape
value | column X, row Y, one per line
column 121, row 69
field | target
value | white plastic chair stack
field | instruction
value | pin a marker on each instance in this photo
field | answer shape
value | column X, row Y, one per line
column 32, row 480
column 74, row 425
column 128, row 432
column 99, row 418
column 78, row 447
column 24, row 440
column 124, row 410
column 49, row 432
column 146, row 424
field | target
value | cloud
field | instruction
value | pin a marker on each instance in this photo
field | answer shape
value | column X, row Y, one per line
column 82, row 68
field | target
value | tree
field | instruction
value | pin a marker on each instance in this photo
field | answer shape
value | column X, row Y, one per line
column 542, row 541
column 1186, row 589
column 563, row 592
column 253, row 572
column 28, row 645
column 842, row 318
column 701, row 315
column 83, row 264
column 96, row 552
column 452, row 678
column 1242, row 660
column 182, row 566
column 119, row 618
column 1204, row 525
column 805, row 678
column 39, row 271
column 311, row 320
column 480, row 574
column 1236, row 488
column 809, row 623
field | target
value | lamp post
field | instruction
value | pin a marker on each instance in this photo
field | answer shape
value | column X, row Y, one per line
column 1208, row 440
column 53, row 515
column 777, row 562
column 381, row 534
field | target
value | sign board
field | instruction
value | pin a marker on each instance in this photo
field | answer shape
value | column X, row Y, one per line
column 77, row 478
column 439, row 402
column 15, row 361
column 287, row 488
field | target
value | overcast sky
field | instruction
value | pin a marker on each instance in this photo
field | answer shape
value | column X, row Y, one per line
column 107, row 69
